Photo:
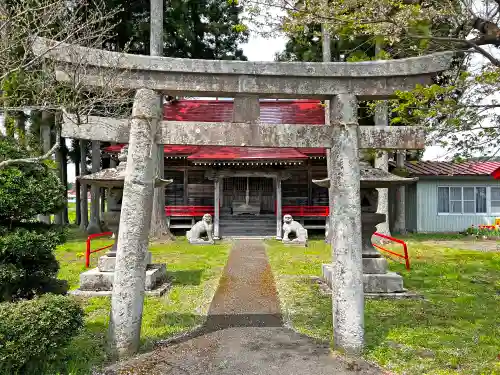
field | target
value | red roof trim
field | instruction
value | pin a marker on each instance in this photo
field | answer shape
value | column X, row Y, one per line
column 246, row 153
column 168, row 149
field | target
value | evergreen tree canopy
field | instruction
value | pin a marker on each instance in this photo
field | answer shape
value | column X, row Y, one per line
column 196, row 29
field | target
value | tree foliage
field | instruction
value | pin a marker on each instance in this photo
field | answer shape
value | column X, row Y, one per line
column 459, row 109
column 28, row 266
column 201, row 29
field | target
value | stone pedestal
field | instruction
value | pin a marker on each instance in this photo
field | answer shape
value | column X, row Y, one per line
column 99, row 281
column 376, row 277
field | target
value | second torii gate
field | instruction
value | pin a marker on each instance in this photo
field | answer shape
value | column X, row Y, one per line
column 341, row 83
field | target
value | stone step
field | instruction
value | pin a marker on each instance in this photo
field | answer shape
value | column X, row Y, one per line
column 244, row 225
column 244, row 230
column 236, row 226
column 247, row 232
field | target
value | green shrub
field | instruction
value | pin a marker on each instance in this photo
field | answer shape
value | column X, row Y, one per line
column 29, row 190
column 28, row 266
column 33, row 333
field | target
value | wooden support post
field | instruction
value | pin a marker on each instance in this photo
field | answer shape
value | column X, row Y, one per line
column 185, row 187
column 216, row 207
column 309, row 183
column 279, row 214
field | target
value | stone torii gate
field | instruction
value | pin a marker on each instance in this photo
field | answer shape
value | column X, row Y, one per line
column 341, row 83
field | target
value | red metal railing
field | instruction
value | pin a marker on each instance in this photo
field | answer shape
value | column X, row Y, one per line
column 302, row 211
column 188, row 210
column 405, row 248
column 89, row 251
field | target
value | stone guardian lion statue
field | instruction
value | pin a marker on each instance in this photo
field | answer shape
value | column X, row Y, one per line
column 203, row 228
column 292, row 226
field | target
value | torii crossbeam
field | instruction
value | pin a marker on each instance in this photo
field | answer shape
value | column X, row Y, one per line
column 341, row 83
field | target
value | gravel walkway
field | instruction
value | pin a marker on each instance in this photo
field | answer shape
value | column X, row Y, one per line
column 244, row 332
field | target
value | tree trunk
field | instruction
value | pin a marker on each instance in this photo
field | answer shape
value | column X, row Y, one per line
column 84, row 205
column 159, row 230
column 382, row 162
column 400, row 207
column 327, row 57
column 21, row 128
column 45, row 140
column 64, row 171
column 9, row 123
column 78, row 198
column 95, row 222
column 58, row 216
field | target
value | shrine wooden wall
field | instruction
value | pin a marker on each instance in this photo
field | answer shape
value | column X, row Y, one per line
column 196, row 190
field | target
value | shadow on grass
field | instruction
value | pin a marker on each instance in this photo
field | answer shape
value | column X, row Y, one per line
column 186, row 277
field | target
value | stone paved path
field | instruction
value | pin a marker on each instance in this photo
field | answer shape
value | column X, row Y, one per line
column 244, row 332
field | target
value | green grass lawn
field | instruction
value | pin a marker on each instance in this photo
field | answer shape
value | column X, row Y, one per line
column 195, row 270
column 456, row 330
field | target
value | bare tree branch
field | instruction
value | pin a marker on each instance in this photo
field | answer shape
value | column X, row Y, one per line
column 38, row 159
column 28, row 79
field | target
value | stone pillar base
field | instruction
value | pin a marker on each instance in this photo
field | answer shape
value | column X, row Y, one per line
column 389, row 282
column 101, row 278
column 375, row 265
column 97, row 281
column 107, row 263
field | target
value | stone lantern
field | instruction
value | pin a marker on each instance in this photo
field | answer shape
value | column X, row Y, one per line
column 376, row 278
column 99, row 281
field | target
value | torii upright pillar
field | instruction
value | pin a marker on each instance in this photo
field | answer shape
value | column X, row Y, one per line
column 345, row 219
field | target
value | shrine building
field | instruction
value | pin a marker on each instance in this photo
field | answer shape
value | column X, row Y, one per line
column 247, row 183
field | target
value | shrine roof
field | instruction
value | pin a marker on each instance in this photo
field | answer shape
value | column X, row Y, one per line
column 271, row 111
column 448, row 168
column 301, row 112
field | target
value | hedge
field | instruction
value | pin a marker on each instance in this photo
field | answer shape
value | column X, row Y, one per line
column 34, row 332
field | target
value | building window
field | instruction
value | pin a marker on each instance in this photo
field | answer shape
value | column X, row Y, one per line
column 495, row 200
column 463, row 200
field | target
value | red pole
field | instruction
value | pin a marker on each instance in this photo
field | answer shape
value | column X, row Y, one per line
column 407, row 258
column 87, row 253
column 405, row 248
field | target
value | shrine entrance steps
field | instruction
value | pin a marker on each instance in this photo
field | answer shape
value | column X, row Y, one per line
column 248, row 226
column 244, row 333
